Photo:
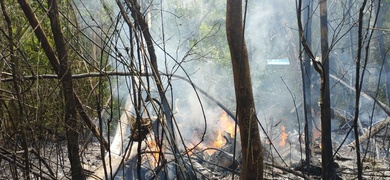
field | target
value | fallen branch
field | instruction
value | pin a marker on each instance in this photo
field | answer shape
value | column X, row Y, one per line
column 376, row 128
column 382, row 105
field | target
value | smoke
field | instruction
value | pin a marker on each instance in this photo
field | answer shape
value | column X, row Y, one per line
column 190, row 42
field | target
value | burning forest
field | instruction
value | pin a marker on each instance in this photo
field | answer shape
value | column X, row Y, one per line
column 194, row 89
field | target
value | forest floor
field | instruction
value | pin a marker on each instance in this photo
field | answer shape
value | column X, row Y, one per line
column 376, row 161
column 53, row 156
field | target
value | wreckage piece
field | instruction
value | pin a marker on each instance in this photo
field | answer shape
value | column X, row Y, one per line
column 118, row 152
column 140, row 129
column 117, row 161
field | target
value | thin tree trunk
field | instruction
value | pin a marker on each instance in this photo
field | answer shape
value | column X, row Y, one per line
column 65, row 74
column 306, row 83
column 358, row 90
column 352, row 42
column 328, row 171
column 252, row 163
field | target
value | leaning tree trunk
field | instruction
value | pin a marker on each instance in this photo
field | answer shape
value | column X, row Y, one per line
column 65, row 74
column 252, row 163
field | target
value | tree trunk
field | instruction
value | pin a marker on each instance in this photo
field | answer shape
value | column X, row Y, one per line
column 326, row 136
column 65, row 74
column 252, row 163
column 358, row 89
column 306, row 77
column 352, row 50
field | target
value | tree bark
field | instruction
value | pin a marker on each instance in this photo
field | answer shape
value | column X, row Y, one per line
column 358, row 90
column 252, row 163
column 65, row 74
column 306, row 83
column 328, row 171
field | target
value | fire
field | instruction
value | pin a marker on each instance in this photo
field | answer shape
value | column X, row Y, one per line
column 152, row 145
column 220, row 141
column 227, row 124
column 283, row 137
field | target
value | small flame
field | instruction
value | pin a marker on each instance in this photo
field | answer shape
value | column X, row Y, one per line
column 152, row 145
column 220, row 141
column 227, row 124
column 283, row 137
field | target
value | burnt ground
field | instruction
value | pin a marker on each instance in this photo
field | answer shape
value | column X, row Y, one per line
column 281, row 164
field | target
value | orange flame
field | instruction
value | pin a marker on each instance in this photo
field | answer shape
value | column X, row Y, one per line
column 220, row 141
column 283, row 137
column 152, row 145
column 227, row 124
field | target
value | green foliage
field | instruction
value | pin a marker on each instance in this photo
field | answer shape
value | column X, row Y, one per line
column 206, row 27
column 42, row 99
